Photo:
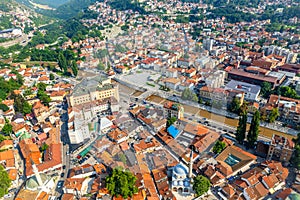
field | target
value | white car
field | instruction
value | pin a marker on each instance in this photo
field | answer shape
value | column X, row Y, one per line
column 7, row 196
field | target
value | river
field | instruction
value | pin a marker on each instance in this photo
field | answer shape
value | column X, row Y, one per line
column 219, row 118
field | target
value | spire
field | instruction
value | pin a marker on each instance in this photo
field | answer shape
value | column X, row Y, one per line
column 36, row 173
column 191, row 164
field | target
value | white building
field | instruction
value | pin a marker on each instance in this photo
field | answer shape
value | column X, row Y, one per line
column 78, row 127
column 181, row 182
column 216, row 79
column 105, row 125
column 251, row 91
column 208, row 44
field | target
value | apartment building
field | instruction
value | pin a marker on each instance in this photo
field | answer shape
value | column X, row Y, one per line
column 173, row 110
column 280, row 148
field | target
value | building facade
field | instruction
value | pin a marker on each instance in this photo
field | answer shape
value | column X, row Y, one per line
column 91, row 89
column 251, row 91
column 173, row 110
column 280, row 148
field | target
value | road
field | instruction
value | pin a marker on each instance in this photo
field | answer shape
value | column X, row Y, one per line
column 65, row 148
column 23, row 40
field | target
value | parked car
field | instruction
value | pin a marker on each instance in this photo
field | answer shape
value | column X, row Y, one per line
column 7, row 196
column 60, row 184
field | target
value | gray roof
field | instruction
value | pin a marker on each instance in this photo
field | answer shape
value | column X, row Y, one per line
column 245, row 87
column 88, row 85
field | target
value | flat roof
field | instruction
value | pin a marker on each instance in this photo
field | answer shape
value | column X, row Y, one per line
column 173, row 131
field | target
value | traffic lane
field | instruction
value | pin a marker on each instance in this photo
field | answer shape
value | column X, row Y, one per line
column 211, row 124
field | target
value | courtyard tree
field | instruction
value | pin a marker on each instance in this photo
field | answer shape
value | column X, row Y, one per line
column 235, row 105
column 201, row 185
column 266, row 89
column 273, row 115
column 219, row 147
column 121, row 183
column 241, row 129
column 171, row 121
column 254, row 129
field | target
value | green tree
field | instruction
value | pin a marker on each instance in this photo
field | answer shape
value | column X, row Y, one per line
column 74, row 68
column 241, row 129
column 41, row 86
column 20, row 79
column 26, row 108
column 7, row 128
column 266, row 89
column 296, row 154
column 44, row 147
column 101, row 66
column 219, row 147
column 4, row 107
column 201, row 185
column 51, row 76
column 62, row 62
column 188, row 94
column 124, row 27
column 296, row 157
column 254, row 129
column 2, row 137
column 287, row 91
column 27, row 92
column 273, row 115
column 45, row 99
column 121, row 182
column 5, row 182
column 42, row 95
column 18, row 103
column 171, row 121
column 122, row 157
column 235, row 105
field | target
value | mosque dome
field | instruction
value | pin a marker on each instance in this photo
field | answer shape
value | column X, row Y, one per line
column 293, row 196
column 180, row 170
column 186, row 184
column 180, row 183
column 175, row 183
column 32, row 183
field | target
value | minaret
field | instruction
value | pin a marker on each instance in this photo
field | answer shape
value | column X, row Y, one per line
column 36, row 173
column 191, row 164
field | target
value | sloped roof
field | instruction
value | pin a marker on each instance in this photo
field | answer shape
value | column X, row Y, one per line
column 244, row 157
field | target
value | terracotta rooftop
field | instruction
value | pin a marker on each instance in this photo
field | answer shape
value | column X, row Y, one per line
column 52, row 159
column 195, row 129
column 243, row 157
